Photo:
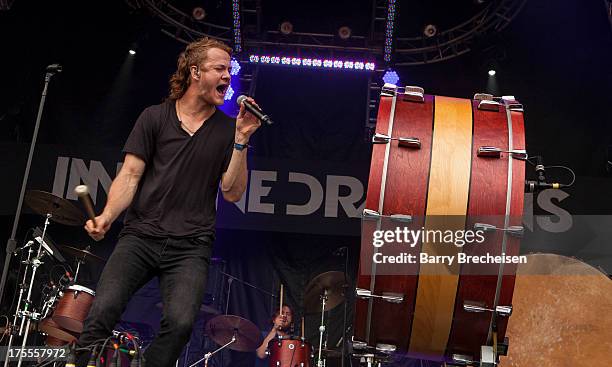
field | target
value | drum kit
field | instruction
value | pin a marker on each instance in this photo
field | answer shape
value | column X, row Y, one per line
column 64, row 304
column 323, row 293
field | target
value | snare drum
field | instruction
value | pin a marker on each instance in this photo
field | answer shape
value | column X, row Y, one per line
column 289, row 352
column 73, row 307
column 448, row 164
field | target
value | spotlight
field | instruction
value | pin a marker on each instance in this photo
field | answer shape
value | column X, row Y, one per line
column 286, row 28
column 430, row 30
column 198, row 13
column 391, row 77
column 344, row 32
column 235, row 67
column 132, row 52
column 492, row 72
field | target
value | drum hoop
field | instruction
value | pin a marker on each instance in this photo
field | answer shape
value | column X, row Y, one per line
column 80, row 288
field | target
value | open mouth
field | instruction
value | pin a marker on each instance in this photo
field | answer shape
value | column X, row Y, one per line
column 222, row 88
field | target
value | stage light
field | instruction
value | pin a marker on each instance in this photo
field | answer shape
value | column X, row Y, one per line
column 492, row 72
column 132, row 52
column 235, row 67
column 236, row 26
column 430, row 30
column 391, row 77
column 389, row 29
column 312, row 63
column 344, row 32
column 229, row 93
column 286, row 28
column 198, row 13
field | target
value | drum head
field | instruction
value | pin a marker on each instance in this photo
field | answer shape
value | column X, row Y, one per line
column 80, row 288
column 560, row 315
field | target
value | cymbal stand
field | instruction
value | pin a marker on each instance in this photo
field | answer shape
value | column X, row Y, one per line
column 320, row 362
column 21, row 290
column 26, row 313
column 208, row 355
column 79, row 262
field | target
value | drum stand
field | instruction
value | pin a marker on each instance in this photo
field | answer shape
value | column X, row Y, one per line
column 208, row 355
column 26, row 313
column 320, row 362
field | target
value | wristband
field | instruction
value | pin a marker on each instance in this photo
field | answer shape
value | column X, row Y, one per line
column 240, row 147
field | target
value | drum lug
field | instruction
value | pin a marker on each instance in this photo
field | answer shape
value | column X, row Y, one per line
column 489, row 106
column 486, row 102
column 487, row 356
column 386, row 296
column 495, row 152
column 472, row 306
column 386, row 348
column 512, row 104
column 369, row 214
column 389, row 90
column 358, row 344
column 414, row 94
column 515, row 231
column 414, row 143
column 379, row 138
column 462, row 360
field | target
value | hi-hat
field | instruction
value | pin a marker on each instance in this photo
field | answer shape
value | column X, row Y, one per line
column 333, row 282
column 61, row 210
column 222, row 328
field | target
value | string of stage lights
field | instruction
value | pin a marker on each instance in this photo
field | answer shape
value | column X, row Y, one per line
column 313, row 63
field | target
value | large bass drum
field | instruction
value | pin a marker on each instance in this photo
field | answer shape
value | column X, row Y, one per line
column 447, row 164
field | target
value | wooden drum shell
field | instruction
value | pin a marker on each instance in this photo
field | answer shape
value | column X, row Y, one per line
column 447, row 179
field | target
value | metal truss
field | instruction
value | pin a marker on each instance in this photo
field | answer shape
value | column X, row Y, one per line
column 457, row 40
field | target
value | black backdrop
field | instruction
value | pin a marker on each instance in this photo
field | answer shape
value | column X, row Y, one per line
column 558, row 65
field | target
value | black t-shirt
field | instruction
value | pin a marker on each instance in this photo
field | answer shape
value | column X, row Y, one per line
column 176, row 195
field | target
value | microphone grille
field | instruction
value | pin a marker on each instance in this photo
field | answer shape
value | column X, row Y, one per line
column 241, row 99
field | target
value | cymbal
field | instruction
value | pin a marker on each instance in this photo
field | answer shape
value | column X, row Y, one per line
column 333, row 282
column 221, row 329
column 61, row 210
column 83, row 254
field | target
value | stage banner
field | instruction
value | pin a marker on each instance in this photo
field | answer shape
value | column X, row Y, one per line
column 320, row 197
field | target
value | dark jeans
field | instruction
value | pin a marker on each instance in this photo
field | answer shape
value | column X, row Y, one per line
column 182, row 268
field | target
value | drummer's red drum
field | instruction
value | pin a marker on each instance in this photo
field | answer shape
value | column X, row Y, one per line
column 289, row 352
column 448, row 164
column 73, row 307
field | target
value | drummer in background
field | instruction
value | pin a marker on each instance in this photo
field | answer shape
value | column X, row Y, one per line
column 282, row 325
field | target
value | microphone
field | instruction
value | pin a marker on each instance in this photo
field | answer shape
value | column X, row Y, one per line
column 54, row 68
column 82, row 191
column 253, row 109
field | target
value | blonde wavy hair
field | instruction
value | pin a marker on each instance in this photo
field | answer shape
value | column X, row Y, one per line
column 195, row 54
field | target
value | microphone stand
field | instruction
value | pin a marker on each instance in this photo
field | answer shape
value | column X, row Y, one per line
column 11, row 244
column 346, row 287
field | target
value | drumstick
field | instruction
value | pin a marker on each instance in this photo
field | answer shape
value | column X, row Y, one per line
column 82, row 191
column 302, row 327
column 280, row 309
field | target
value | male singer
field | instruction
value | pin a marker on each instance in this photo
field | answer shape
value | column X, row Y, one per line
column 175, row 157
